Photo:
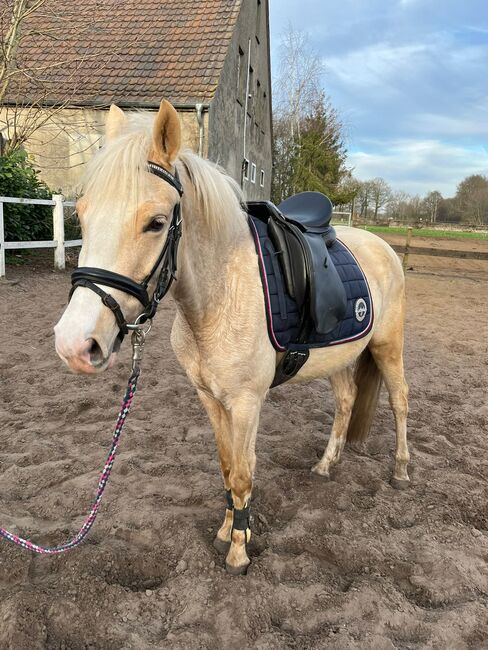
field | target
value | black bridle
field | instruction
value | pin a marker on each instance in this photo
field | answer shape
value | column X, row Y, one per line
column 90, row 277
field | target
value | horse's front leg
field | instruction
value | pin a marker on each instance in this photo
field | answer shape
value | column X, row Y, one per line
column 244, row 418
column 219, row 419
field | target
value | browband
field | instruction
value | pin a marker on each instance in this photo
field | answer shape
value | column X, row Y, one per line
column 157, row 170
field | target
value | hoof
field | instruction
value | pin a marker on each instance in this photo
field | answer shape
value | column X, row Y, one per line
column 221, row 545
column 399, row 483
column 320, row 473
column 237, row 570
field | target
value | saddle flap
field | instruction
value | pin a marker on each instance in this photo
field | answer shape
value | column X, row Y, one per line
column 328, row 299
column 310, row 275
column 292, row 258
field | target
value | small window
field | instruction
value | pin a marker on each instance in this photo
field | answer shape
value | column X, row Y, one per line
column 258, row 101
column 241, row 77
column 253, row 173
column 261, row 179
column 251, row 84
column 245, row 169
column 258, row 20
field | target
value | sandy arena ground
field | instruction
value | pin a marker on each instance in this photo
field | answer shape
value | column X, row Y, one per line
column 345, row 564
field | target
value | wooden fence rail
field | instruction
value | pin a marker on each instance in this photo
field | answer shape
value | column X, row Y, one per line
column 439, row 252
column 58, row 243
column 407, row 250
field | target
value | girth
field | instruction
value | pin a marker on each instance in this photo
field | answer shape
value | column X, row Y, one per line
column 91, row 277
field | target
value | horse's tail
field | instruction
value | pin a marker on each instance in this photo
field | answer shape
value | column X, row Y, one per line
column 368, row 379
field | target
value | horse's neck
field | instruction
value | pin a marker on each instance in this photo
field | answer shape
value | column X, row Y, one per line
column 205, row 259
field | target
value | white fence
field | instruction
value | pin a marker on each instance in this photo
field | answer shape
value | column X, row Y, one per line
column 58, row 243
column 343, row 218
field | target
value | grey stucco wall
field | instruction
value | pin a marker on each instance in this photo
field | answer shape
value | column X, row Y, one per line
column 227, row 114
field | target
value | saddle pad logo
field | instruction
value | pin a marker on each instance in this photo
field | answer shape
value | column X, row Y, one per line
column 360, row 310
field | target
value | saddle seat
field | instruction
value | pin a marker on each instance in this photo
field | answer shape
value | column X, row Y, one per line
column 310, row 211
column 300, row 231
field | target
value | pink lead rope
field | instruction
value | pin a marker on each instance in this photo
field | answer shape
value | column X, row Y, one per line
column 137, row 343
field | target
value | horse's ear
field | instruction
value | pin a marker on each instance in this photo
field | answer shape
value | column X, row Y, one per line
column 115, row 122
column 166, row 135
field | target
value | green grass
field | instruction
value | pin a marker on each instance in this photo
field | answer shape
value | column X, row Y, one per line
column 429, row 232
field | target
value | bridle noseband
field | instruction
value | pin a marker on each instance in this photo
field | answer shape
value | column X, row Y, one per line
column 90, row 277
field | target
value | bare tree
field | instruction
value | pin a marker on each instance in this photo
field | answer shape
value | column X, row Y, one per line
column 13, row 13
column 472, row 199
column 284, row 152
column 299, row 81
column 27, row 82
column 431, row 202
column 397, row 207
column 380, row 194
column 308, row 150
column 351, row 188
column 365, row 198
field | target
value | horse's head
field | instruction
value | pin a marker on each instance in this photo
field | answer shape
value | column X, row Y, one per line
column 125, row 212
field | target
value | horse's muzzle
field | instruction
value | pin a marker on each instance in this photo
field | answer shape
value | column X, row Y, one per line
column 85, row 356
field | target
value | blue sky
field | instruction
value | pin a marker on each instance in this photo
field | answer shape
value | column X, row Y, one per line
column 410, row 79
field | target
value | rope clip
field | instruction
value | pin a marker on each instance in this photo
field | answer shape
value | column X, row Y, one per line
column 138, row 339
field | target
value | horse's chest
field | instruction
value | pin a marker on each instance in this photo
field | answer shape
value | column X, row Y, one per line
column 197, row 357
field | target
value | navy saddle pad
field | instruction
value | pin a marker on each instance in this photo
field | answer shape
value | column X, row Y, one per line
column 282, row 313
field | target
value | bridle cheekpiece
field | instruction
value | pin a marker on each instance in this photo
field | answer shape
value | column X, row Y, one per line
column 91, row 277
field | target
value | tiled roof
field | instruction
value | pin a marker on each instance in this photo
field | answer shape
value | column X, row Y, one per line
column 133, row 52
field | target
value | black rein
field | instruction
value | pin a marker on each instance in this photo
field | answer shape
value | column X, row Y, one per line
column 90, row 277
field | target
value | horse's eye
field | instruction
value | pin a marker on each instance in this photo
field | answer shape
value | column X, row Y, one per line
column 156, row 225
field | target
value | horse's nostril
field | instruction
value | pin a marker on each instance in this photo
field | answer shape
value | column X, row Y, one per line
column 96, row 354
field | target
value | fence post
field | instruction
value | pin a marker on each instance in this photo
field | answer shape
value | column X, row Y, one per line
column 2, row 243
column 407, row 249
column 58, row 232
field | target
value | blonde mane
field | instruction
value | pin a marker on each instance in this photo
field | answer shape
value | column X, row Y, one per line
column 218, row 196
column 117, row 174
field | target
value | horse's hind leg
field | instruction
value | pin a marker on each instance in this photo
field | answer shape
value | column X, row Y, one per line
column 389, row 358
column 221, row 426
column 344, row 388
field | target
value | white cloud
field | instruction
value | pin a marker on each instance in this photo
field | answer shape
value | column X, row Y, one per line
column 374, row 66
column 472, row 122
column 409, row 79
column 420, row 166
column 477, row 29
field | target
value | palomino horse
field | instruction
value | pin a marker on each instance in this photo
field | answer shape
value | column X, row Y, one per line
column 219, row 333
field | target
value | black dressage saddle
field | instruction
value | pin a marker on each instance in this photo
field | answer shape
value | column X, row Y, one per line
column 301, row 233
